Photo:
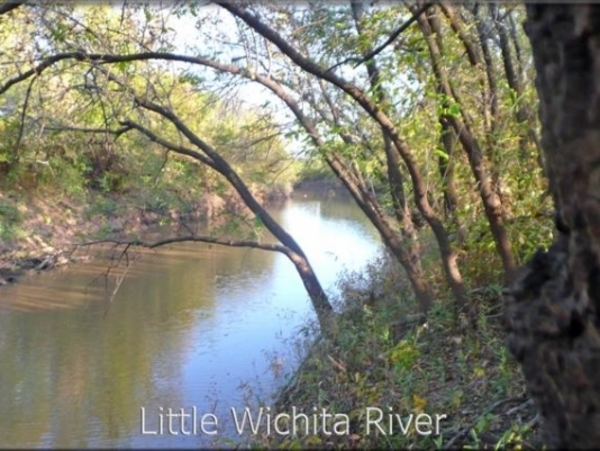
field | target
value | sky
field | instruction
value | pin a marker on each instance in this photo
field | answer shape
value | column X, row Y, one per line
column 189, row 40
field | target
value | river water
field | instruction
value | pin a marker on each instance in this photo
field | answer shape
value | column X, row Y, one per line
column 209, row 330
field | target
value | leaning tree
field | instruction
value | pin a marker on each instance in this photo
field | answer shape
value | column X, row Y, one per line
column 553, row 307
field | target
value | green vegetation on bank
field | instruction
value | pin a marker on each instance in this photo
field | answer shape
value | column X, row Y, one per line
column 52, row 178
column 385, row 357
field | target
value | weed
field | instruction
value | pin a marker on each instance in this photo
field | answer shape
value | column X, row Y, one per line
column 10, row 218
column 406, row 368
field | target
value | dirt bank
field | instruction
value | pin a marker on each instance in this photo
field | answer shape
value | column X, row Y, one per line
column 39, row 232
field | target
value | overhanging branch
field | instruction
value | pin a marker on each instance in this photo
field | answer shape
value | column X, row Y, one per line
column 129, row 124
column 194, row 238
column 219, row 164
column 373, row 53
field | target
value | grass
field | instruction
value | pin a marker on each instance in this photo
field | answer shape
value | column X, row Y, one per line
column 383, row 356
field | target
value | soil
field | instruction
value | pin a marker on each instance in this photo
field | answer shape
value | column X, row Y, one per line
column 42, row 231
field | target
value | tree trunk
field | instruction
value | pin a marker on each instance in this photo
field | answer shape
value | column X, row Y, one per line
column 553, row 307
column 450, row 192
column 318, row 297
column 461, row 124
column 407, row 255
column 419, row 182
column 410, row 262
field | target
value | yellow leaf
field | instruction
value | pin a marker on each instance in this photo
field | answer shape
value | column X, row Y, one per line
column 314, row 440
column 419, row 403
column 458, row 398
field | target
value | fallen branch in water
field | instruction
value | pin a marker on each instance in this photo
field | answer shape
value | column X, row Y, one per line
column 153, row 245
column 120, row 280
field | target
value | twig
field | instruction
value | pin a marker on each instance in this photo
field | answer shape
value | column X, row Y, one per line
column 119, row 282
column 516, row 409
column 340, row 366
column 464, row 431
column 534, row 421
column 387, row 42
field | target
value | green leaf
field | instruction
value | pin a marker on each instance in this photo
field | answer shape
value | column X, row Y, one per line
column 440, row 153
column 454, row 110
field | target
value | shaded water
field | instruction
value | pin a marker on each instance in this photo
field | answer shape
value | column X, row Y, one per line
column 191, row 325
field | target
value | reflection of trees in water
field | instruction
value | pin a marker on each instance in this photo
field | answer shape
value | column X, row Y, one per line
column 69, row 376
column 343, row 211
column 350, row 216
column 70, row 373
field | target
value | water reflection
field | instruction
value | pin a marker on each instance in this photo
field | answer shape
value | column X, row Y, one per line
column 189, row 325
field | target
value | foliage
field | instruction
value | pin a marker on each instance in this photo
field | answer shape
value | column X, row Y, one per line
column 381, row 357
column 43, row 151
column 314, row 170
column 46, row 150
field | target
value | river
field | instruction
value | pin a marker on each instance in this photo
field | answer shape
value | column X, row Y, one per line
column 193, row 327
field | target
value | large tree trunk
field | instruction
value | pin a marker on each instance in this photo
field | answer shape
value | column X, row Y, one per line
column 553, row 308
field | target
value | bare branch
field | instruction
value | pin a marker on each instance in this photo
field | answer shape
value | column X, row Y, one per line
column 129, row 124
column 112, row 58
column 373, row 53
column 195, row 238
column 22, row 120
column 66, row 128
column 120, row 280
column 35, row 70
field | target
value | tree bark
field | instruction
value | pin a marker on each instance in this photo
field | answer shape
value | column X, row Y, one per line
column 553, row 308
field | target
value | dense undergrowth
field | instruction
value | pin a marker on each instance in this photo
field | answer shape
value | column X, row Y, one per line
column 384, row 356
